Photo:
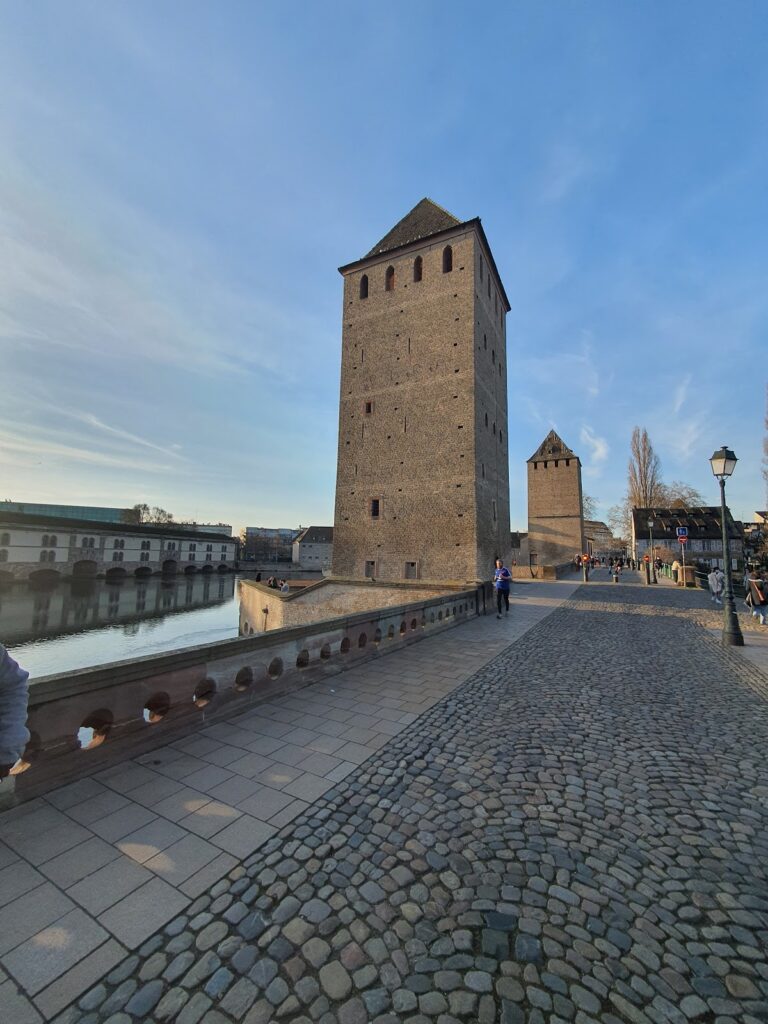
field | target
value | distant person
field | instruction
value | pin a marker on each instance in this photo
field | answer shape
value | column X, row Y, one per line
column 284, row 588
column 14, row 734
column 716, row 580
column 757, row 597
column 675, row 570
column 501, row 580
column 616, row 571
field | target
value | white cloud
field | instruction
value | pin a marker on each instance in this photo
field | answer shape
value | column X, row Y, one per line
column 681, row 393
column 598, row 450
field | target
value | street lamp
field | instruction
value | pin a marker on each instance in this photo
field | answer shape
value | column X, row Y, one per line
column 723, row 463
column 651, row 524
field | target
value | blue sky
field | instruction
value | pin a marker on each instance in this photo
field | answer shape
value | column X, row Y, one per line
column 179, row 182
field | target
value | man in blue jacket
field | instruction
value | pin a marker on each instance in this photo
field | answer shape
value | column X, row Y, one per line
column 13, row 712
column 501, row 580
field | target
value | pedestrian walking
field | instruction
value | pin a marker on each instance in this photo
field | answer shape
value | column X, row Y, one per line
column 501, row 580
column 756, row 597
column 716, row 581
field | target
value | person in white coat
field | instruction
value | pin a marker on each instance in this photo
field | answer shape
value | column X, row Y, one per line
column 716, row 581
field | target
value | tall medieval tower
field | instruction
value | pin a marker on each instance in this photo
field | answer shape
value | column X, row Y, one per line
column 422, row 486
column 555, row 523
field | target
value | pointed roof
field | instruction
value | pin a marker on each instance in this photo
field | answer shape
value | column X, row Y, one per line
column 425, row 219
column 552, row 447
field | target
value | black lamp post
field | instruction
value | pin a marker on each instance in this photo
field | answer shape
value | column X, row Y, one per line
column 651, row 524
column 723, row 463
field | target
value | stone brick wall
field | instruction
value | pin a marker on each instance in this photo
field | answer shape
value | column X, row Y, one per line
column 429, row 356
column 555, row 526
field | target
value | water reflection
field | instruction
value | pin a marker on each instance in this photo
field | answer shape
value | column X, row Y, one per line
column 71, row 624
column 37, row 611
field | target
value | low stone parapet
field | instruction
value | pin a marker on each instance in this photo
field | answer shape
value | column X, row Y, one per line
column 86, row 720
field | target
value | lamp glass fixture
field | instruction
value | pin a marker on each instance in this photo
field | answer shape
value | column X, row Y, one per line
column 723, row 462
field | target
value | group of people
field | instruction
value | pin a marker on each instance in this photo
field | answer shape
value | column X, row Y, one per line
column 275, row 584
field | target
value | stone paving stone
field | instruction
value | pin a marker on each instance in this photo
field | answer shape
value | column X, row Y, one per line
column 243, row 836
column 16, row 879
column 178, row 862
column 209, row 818
column 134, row 919
column 31, row 913
column 79, row 861
column 17, row 1009
column 53, row 950
column 121, row 823
column 79, row 978
column 109, row 884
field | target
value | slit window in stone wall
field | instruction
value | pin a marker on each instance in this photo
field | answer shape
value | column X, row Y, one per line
column 447, row 259
column 411, row 570
column 418, row 268
column 375, row 508
column 370, row 569
column 389, row 279
column 364, row 286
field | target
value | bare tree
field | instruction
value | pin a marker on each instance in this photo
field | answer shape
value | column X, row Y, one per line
column 644, row 478
column 679, row 495
column 588, row 506
column 620, row 520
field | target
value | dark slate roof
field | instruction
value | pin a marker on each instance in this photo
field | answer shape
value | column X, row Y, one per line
column 23, row 520
column 703, row 522
column 552, row 447
column 425, row 219
column 316, row 535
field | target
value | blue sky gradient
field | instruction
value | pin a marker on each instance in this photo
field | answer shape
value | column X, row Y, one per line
column 179, row 182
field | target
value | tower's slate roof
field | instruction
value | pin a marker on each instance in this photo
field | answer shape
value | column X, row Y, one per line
column 552, row 447
column 425, row 219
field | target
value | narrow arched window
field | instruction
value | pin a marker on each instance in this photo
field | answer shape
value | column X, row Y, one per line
column 389, row 279
column 5, row 539
column 3, row 556
column 418, row 268
column 447, row 259
column 52, row 541
column 364, row 286
column 44, row 541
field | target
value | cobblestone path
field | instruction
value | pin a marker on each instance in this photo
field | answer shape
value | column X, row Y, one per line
column 576, row 834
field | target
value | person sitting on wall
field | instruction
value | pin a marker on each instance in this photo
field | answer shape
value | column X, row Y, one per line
column 14, row 734
column 284, row 588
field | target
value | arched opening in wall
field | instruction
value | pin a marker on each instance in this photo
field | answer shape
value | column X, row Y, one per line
column 325, row 652
column 391, row 633
column 364, row 286
column 447, row 259
column 169, row 566
column 94, row 729
column 418, row 268
column 204, row 693
column 432, row 617
column 244, row 679
column 403, row 628
column 302, row 659
column 142, row 572
column 85, row 567
column 115, row 574
column 439, row 616
column 222, row 567
column 207, row 567
column 275, row 668
column 362, row 640
column 389, row 279
column 156, row 708
column 414, row 624
column 345, row 645
column 44, row 577
column 190, row 570
column 377, row 636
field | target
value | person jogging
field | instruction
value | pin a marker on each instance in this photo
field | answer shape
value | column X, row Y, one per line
column 501, row 580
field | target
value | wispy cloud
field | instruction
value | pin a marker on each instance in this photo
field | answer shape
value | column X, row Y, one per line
column 681, row 393
column 20, row 451
column 94, row 421
column 598, row 450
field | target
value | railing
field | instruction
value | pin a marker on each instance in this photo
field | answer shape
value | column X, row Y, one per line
column 85, row 720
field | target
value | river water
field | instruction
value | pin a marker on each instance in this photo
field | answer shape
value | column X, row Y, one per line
column 79, row 623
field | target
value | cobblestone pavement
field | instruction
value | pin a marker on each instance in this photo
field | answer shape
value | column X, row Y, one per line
column 578, row 833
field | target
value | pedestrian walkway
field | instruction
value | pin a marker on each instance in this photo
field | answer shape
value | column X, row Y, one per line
column 91, row 871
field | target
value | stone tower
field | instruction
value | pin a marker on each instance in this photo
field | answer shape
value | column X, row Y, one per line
column 555, row 523
column 422, row 486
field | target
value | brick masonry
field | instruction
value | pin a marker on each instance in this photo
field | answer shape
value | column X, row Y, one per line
column 555, row 524
column 429, row 357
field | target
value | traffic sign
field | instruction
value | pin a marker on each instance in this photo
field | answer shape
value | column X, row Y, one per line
column 682, row 531
column 683, row 539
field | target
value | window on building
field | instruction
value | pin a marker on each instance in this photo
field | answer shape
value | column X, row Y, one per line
column 209, row 557
column 144, row 557
column 5, row 539
column 411, row 570
column 118, row 545
column 224, row 549
column 209, row 547
column 145, row 545
column 370, row 570
column 44, row 541
column 501, row 437
column 368, row 408
column 493, row 355
column 117, row 556
column 53, row 541
column 43, row 556
column 418, row 268
column 88, row 542
column 447, row 259
column 364, row 286
column 389, row 279
column 3, row 555
column 375, row 508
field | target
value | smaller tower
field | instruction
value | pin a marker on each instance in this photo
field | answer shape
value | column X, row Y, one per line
column 555, row 521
